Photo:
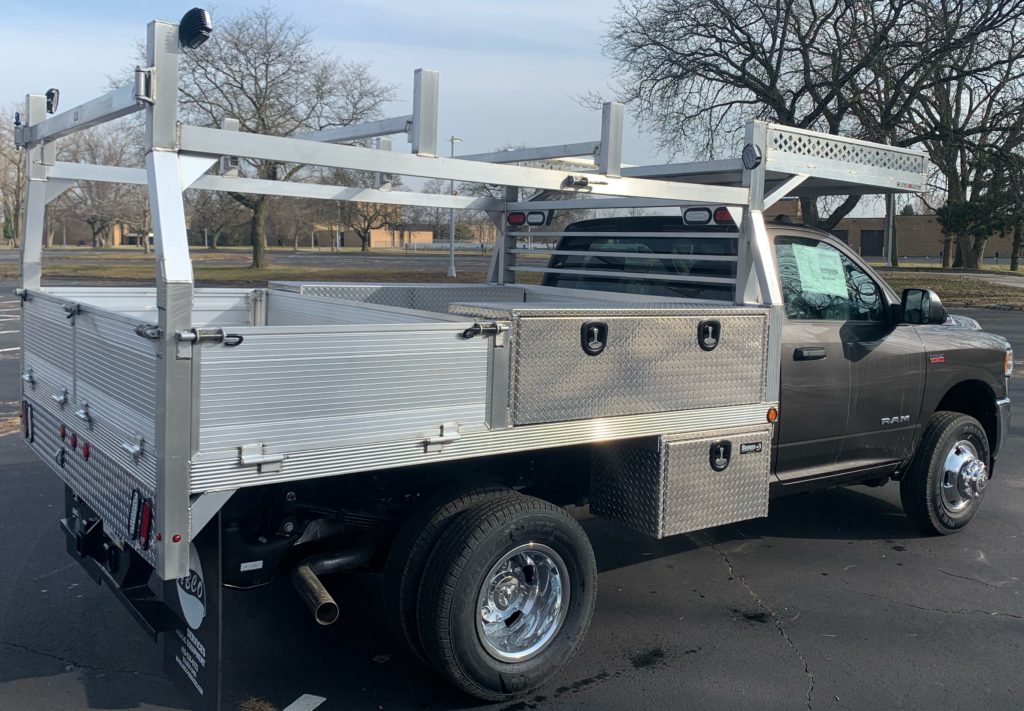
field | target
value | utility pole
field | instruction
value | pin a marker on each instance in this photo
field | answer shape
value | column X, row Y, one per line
column 451, row 217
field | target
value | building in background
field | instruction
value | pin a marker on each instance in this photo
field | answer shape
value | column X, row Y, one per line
column 916, row 236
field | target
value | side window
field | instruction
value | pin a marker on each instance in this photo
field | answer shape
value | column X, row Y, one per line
column 820, row 283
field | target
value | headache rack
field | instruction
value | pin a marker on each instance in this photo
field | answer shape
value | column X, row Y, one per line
column 164, row 381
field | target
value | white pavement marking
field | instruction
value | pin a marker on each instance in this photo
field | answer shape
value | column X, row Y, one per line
column 306, row 702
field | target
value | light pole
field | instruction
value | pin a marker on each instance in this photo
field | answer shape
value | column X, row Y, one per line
column 451, row 217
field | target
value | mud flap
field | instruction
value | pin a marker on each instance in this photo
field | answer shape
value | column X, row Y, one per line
column 192, row 651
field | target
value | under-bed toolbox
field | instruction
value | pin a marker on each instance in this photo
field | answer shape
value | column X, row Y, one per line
column 673, row 484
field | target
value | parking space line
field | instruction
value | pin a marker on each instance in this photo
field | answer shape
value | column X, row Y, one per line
column 306, row 702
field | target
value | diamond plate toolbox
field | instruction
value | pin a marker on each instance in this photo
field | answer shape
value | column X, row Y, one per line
column 649, row 363
column 678, row 483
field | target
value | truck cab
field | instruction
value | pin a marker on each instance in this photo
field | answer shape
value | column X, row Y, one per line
column 863, row 370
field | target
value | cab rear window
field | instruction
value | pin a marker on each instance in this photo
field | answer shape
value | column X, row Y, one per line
column 632, row 256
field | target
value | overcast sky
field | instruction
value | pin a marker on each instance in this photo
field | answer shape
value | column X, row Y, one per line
column 509, row 71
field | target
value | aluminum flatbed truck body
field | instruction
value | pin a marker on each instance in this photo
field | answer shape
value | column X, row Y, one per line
column 160, row 406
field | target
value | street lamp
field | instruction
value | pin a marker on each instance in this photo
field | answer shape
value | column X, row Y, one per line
column 451, row 217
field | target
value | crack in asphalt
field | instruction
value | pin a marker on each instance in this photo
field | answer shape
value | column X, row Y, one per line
column 776, row 620
column 76, row 665
column 959, row 611
column 967, row 577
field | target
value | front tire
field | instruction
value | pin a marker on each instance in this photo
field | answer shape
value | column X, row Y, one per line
column 946, row 480
column 509, row 597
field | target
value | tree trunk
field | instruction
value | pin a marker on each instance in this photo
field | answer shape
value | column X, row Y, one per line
column 1018, row 242
column 947, row 252
column 973, row 252
column 364, row 240
column 257, row 233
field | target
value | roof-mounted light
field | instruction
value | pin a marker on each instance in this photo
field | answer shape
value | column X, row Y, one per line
column 195, row 27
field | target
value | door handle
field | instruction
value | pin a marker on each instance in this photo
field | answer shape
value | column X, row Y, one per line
column 809, row 353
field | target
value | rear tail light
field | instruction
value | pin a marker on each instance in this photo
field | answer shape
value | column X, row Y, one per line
column 145, row 523
column 723, row 216
column 516, row 219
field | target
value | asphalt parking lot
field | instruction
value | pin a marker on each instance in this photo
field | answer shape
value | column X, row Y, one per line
column 834, row 601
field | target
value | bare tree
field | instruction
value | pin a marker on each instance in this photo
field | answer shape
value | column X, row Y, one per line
column 697, row 70
column 103, row 205
column 12, row 177
column 264, row 70
column 214, row 212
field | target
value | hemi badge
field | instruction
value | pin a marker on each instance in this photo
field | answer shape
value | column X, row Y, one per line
column 750, row 447
column 937, row 358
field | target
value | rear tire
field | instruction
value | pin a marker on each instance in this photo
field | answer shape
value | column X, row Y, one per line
column 408, row 557
column 945, row 483
column 509, row 598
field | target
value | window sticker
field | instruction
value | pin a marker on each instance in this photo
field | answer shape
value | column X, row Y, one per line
column 821, row 270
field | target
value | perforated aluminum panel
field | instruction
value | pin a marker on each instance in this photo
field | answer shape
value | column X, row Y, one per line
column 652, row 363
column 101, row 482
column 666, row 486
column 845, row 150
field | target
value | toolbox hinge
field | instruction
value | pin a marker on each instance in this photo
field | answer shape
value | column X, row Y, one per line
column 449, row 433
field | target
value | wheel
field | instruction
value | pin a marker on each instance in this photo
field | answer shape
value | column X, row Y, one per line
column 943, row 487
column 509, row 599
column 414, row 543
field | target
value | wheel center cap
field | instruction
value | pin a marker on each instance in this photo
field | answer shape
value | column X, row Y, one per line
column 505, row 592
column 973, row 478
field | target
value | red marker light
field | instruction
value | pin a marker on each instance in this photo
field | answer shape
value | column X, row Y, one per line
column 74, row 441
column 176, row 538
column 723, row 216
column 63, row 432
column 86, row 451
column 516, row 219
column 145, row 523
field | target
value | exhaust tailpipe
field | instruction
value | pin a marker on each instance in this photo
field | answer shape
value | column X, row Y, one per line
column 315, row 595
column 306, row 579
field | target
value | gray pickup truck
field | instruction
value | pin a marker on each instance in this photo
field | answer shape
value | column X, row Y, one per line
column 874, row 387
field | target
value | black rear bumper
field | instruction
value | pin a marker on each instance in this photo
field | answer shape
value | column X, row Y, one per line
column 122, row 569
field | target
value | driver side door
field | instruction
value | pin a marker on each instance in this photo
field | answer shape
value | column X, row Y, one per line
column 850, row 377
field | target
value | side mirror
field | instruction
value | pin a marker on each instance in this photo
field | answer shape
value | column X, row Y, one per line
column 921, row 306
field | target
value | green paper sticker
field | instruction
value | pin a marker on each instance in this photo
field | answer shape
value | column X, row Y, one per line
column 821, row 270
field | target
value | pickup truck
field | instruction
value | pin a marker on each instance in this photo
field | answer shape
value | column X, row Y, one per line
column 668, row 373
column 874, row 387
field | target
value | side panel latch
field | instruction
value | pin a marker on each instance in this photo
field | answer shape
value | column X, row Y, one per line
column 256, row 455
column 448, row 433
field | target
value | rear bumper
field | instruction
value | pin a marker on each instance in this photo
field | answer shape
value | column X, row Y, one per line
column 1002, row 424
column 124, row 572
